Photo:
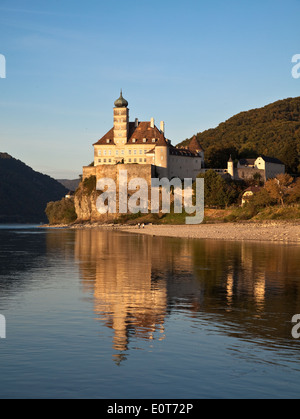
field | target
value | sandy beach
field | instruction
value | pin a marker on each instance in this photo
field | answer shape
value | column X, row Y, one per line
column 274, row 231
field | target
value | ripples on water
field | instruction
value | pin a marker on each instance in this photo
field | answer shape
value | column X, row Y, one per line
column 113, row 315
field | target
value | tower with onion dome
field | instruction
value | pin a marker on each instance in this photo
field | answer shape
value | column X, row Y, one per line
column 121, row 121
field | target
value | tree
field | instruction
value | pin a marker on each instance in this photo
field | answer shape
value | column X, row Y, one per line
column 217, row 157
column 278, row 187
column 294, row 195
column 217, row 192
column 289, row 156
column 61, row 212
column 260, row 199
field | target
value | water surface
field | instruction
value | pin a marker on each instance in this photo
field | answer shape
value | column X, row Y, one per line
column 103, row 314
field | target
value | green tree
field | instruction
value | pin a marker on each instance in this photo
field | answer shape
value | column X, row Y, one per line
column 289, row 156
column 217, row 157
column 261, row 199
column 217, row 192
column 61, row 212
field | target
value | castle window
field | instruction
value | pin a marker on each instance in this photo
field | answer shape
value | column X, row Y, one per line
column 109, row 160
column 99, row 153
column 109, row 152
column 145, row 160
column 134, row 151
column 141, row 151
column 117, row 152
column 134, row 160
column 141, row 160
column 133, row 140
column 104, row 160
column 129, row 151
column 144, row 140
column 122, row 152
column 107, row 141
column 153, row 140
column 99, row 160
column 145, row 151
column 129, row 160
column 104, row 153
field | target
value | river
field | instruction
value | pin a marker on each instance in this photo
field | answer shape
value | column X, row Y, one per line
column 113, row 315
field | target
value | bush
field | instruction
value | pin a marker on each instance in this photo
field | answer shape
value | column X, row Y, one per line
column 242, row 214
column 61, row 212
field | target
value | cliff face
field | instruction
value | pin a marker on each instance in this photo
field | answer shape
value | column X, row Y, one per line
column 86, row 195
column 85, row 203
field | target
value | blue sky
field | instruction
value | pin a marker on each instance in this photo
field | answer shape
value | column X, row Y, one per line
column 193, row 64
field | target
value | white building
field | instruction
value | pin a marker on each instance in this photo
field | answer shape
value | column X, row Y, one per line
column 266, row 167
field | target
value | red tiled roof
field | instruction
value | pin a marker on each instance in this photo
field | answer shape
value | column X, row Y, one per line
column 194, row 145
column 138, row 134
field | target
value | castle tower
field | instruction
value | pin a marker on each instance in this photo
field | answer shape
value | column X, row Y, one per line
column 196, row 147
column 121, row 121
column 230, row 167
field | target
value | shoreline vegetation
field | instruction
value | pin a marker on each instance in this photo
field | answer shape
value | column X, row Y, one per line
column 272, row 213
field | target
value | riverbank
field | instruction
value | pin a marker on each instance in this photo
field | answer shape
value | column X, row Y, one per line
column 274, row 231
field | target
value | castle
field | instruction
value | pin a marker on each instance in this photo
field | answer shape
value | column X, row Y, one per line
column 144, row 151
column 136, row 144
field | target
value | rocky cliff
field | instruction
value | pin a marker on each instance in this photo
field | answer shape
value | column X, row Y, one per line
column 85, row 203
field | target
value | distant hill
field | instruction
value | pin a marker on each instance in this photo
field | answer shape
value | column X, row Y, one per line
column 24, row 193
column 273, row 130
column 71, row 185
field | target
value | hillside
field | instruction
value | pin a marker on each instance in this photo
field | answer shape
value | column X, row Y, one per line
column 273, row 130
column 24, row 193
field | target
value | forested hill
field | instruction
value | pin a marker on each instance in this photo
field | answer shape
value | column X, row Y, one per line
column 24, row 193
column 273, row 130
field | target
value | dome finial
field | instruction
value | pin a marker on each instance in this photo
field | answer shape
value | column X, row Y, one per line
column 121, row 102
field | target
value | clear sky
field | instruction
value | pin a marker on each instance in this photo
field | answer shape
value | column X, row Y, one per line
column 192, row 63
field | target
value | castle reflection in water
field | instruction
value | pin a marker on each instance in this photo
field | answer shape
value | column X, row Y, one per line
column 137, row 281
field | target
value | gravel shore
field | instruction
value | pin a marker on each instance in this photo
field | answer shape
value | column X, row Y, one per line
column 274, row 231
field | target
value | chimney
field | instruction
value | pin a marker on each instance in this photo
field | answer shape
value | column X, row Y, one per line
column 162, row 127
column 136, row 124
column 152, row 123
